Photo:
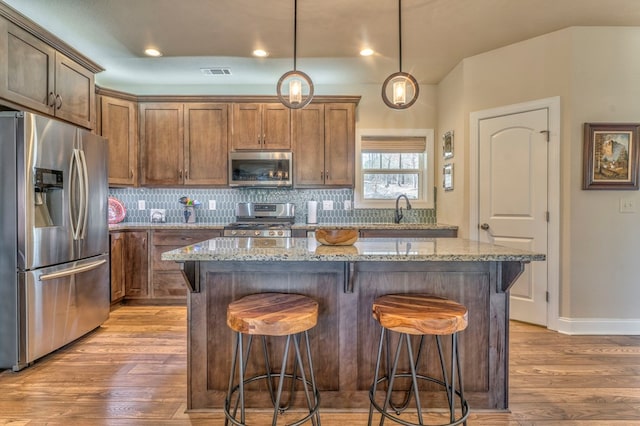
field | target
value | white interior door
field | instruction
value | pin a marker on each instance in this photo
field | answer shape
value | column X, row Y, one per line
column 512, row 198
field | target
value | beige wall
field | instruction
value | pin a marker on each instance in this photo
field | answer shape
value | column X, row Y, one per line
column 452, row 206
column 596, row 77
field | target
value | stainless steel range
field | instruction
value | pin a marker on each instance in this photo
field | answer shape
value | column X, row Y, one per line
column 262, row 220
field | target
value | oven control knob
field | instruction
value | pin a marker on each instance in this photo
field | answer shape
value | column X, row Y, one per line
column 280, row 233
column 272, row 233
column 234, row 232
column 256, row 233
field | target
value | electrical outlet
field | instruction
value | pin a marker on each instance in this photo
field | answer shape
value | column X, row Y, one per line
column 627, row 205
column 141, row 205
column 347, row 204
column 212, row 204
column 327, row 205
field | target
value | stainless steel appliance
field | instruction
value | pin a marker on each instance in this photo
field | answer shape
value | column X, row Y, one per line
column 54, row 240
column 262, row 220
column 260, row 169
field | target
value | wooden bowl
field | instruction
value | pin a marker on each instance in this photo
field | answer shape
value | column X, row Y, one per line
column 336, row 237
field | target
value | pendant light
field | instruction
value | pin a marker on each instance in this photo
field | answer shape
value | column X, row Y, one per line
column 400, row 90
column 295, row 88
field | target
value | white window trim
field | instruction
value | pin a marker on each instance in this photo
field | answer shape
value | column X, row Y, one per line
column 428, row 185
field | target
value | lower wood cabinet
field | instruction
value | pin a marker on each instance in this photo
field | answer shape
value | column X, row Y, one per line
column 167, row 283
column 129, row 265
column 139, row 275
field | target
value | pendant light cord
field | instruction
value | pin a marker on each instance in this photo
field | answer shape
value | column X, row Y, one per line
column 295, row 32
column 399, row 33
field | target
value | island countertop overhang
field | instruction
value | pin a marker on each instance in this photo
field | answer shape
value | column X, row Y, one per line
column 364, row 250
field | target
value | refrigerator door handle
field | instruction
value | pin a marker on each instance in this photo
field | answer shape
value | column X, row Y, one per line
column 84, row 196
column 77, row 207
column 72, row 271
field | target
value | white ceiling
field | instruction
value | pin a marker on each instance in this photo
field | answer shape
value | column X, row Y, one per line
column 194, row 34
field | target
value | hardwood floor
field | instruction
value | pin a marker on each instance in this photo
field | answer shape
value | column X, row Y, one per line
column 132, row 371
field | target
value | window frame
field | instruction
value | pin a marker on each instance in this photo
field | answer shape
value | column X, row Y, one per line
column 426, row 193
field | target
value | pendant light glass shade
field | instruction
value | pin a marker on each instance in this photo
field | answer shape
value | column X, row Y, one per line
column 400, row 90
column 295, row 88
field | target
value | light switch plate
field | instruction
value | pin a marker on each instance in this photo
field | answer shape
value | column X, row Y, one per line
column 142, row 205
column 627, row 205
column 327, row 205
column 212, row 204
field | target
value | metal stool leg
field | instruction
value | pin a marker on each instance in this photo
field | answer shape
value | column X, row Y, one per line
column 450, row 375
column 374, row 386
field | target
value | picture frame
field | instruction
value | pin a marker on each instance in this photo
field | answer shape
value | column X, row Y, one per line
column 610, row 156
column 447, row 145
column 447, row 177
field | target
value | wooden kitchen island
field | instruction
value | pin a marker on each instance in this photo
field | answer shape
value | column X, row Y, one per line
column 345, row 280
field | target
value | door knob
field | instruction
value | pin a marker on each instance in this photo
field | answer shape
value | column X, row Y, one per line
column 484, row 226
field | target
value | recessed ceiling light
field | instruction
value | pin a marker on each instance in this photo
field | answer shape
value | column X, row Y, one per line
column 152, row 52
column 366, row 52
column 260, row 53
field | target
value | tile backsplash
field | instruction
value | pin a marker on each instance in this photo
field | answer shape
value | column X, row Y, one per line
column 225, row 201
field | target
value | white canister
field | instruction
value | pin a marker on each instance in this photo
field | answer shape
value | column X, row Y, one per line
column 312, row 212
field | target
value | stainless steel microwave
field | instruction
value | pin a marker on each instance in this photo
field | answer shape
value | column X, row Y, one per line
column 260, row 169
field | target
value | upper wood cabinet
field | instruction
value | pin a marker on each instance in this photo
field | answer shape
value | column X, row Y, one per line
column 183, row 144
column 205, row 144
column 261, row 126
column 324, row 145
column 36, row 76
column 119, row 124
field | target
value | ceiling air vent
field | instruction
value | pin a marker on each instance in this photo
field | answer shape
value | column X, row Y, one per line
column 216, row 71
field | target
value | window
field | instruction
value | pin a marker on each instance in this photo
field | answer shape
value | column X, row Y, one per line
column 392, row 162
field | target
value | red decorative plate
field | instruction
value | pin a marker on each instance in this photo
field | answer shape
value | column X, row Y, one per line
column 117, row 211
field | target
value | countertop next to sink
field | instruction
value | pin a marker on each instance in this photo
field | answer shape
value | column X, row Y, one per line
column 132, row 226
column 368, row 225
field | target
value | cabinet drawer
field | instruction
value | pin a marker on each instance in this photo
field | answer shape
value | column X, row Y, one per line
column 183, row 238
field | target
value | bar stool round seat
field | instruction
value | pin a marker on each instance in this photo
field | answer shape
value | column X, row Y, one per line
column 417, row 315
column 273, row 314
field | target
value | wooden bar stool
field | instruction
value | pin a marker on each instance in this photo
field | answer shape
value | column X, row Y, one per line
column 418, row 315
column 273, row 314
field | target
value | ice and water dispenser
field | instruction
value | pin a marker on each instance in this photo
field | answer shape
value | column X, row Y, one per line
column 47, row 197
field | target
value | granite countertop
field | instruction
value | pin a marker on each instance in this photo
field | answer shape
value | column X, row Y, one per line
column 310, row 227
column 378, row 225
column 128, row 226
column 364, row 250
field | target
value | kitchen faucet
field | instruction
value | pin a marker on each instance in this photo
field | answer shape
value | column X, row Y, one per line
column 397, row 217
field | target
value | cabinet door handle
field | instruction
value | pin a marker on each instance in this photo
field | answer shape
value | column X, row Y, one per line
column 144, row 243
column 58, row 101
column 180, row 173
column 52, row 99
column 321, row 175
column 131, row 173
column 259, row 140
column 326, row 174
column 186, row 173
column 264, row 139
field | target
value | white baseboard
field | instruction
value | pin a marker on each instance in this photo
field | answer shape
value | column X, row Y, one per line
column 598, row 326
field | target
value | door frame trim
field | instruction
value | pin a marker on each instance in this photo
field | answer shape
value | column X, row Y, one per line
column 553, row 189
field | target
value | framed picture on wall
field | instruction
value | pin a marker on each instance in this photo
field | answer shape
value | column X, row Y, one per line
column 447, row 177
column 447, row 145
column 610, row 156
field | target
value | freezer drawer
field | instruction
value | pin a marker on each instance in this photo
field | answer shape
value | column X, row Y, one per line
column 59, row 304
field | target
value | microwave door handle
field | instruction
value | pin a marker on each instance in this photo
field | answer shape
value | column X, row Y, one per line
column 72, row 271
column 84, row 195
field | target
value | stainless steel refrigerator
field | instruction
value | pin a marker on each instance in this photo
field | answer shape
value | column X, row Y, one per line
column 54, row 237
